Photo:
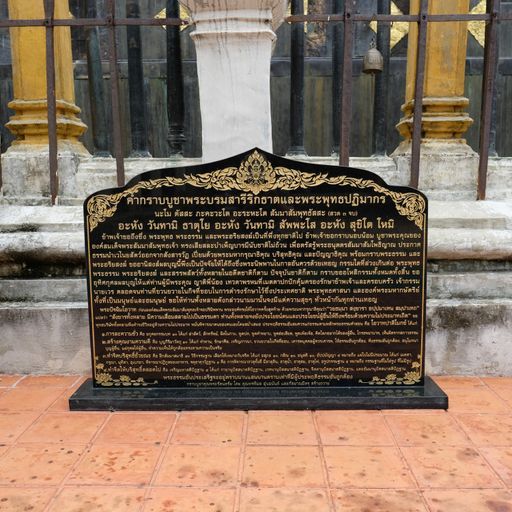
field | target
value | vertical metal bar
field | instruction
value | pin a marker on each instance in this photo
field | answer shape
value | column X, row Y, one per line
column 421, row 55
column 380, row 104
column 175, row 94
column 96, row 93
column 494, row 110
column 297, row 82
column 346, row 85
column 49, row 12
column 136, row 84
column 114, row 84
column 488, row 81
column 337, row 63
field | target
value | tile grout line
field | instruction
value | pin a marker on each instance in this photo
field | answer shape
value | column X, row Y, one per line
column 22, row 377
column 39, row 414
column 86, row 450
column 420, row 491
column 40, row 411
column 159, row 462
column 323, row 463
column 425, row 501
column 460, row 426
column 403, row 458
column 13, row 384
column 485, row 387
column 497, row 395
column 474, row 445
column 491, row 468
column 471, row 445
column 33, row 422
column 241, row 462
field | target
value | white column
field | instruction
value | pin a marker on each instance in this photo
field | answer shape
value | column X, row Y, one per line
column 234, row 46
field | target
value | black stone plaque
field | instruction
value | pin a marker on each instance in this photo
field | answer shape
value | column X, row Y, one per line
column 257, row 280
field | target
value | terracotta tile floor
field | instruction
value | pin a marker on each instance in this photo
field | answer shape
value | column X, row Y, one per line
column 52, row 459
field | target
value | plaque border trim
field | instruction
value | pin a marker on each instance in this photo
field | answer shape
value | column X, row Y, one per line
column 254, row 175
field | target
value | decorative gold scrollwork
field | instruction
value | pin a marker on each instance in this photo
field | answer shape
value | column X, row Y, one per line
column 411, row 377
column 105, row 379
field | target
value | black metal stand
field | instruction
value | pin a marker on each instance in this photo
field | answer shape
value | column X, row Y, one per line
column 89, row 398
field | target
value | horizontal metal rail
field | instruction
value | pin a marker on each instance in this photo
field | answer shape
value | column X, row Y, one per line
column 92, row 22
column 298, row 18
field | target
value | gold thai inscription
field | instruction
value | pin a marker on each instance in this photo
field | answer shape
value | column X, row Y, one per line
column 257, row 287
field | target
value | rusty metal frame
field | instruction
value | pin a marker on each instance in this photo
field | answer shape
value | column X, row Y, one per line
column 419, row 83
column 346, row 85
column 488, row 81
column 49, row 23
column 51, row 101
column 492, row 17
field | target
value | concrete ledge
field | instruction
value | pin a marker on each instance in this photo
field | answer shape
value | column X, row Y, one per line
column 44, row 338
column 469, row 314
column 443, row 244
column 443, row 285
column 39, row 290
column 469, row 285
column 469, row 244
column 466, row 337
column 99, row 173
column 41, row 247
column 457, row 231
column 469, row 337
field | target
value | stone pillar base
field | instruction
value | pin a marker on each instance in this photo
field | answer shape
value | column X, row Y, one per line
column 30, row 123
column 26, row 172
column 448, row 168
column 442, row 118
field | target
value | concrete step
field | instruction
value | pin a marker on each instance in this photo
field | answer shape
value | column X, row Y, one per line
column 457, row 285
column 463, row 336
column 37, row 235
column 43, row 290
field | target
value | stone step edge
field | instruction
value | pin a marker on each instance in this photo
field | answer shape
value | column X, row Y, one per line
column 69, row 247
column 442, row 215
column 444, row 285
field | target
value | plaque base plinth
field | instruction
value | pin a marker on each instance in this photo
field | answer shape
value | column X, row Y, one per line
column 89, row 398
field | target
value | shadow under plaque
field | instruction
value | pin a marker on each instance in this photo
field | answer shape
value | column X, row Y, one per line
column 257, row 282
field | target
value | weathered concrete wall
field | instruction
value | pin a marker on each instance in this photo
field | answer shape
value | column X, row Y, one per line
column 44, row 338
column 469, row 310
column 464, row 337
column 471, row 337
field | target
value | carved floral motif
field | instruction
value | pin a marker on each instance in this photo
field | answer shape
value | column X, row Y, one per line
column 411, row 377
column 106, row 380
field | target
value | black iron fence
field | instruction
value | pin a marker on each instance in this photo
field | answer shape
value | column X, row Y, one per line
column 343, row 19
